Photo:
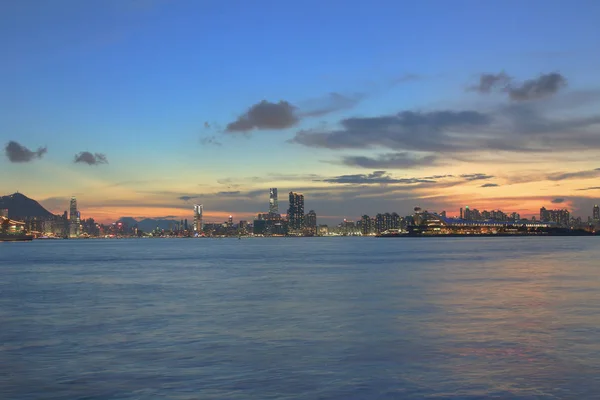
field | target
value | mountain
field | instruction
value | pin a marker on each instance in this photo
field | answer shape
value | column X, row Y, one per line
column 148, row 224
column 21, row 206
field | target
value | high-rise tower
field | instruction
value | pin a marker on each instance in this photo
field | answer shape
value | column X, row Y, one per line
column 74, row 218
column 296, row 211
column 273, row 205
column 198, row 210
column 596, row 214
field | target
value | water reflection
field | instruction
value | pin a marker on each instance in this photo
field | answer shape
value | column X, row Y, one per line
column 352, row 318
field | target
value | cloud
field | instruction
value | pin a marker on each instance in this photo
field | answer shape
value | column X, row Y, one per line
column 390, row 160
column 590, row 188
column 376, row 177
column 543, row 86
column 487, row 185
column 525, row 127
column 206, row 125
column 488, row 82
column 186, row 198
column 90, row 159
column 229, row 193
column 18, row 153
column 574, row 175
column 407, row 130
column 476, row 177
column 331, row 103
column 211, row 140
column 265, row 115
column 557, row 201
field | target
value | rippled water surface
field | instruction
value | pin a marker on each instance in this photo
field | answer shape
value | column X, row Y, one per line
column 300, row 318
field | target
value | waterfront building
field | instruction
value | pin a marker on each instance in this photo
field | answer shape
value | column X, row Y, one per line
column 198, row 214
column 296, row 211
column 310, row 223
column 366, row 226
column 273, row 202
column 560, row 217
column 596, row 214
column 323, row 230
column 74, row 218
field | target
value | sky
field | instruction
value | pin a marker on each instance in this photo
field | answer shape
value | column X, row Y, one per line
column 143, row 108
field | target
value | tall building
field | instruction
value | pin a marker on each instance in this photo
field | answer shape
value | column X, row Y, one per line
column 366, row 225
column 74, row 218
column 296, row 211
column 596, row 214
column 273, row 204
column 310, row 223
column 198, row 210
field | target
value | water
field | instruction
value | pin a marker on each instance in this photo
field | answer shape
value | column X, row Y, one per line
column 301, row 318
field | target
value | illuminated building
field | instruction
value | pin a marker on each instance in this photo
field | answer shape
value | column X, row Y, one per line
column 310, row 223
column 596, row 214
column 560, row 217
column 198, row 211
column 296, row 211
column 74, row 218
column 366, row 226
column 379, row 223
column 273, row 204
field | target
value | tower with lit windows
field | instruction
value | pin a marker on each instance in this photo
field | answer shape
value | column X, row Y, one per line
column 198, row 210
column 296, row 211
column 273, row 204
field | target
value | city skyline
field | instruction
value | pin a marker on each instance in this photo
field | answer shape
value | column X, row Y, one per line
column 159, row 105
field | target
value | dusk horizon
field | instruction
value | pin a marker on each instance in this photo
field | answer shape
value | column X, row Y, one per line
column 145, row 108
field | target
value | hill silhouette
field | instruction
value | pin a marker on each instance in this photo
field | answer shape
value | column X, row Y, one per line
column 148, row 224
column 21, row 206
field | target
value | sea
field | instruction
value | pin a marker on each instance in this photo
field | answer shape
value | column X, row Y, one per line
column 301, row 318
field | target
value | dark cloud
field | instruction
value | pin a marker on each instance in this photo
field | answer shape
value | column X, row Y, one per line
column 574, row 175
column 376, row 177
column 186, row 198
column 18, row 153
column 476, row 177
column 487, row 185
column 590, row 188
column 439, row 176
column 210, row 141
column 557, row 201
column 390, row 160
column 90, row 159
column 331, row 103
column 229, row 193
column 543, row 86
column 489, row 82
column 265, row 115
column 407, row 130
column 517, row 127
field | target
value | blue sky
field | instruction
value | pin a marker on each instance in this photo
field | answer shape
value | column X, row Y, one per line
column 152, row 83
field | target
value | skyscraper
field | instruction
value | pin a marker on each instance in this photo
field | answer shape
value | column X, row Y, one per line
column 596, row 214
column 273, row 204
column 310, row 223
column 74, row 218
column 198, row 210
column 296, row 211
